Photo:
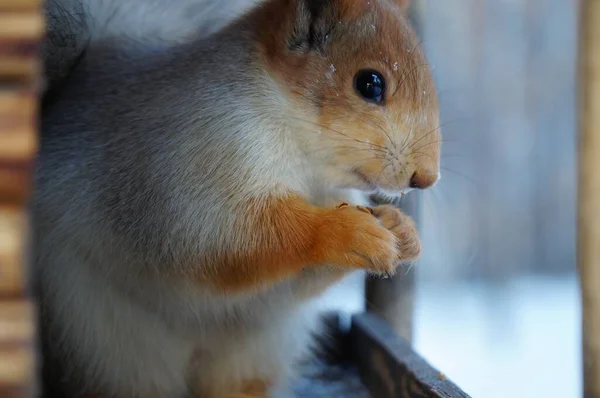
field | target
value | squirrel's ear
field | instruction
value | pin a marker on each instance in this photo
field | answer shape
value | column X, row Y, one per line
column 314, row 21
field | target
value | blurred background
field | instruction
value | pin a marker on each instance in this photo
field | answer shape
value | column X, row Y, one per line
column 497, row 304
column 497, row 299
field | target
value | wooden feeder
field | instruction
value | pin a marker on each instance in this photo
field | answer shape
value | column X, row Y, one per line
column 589, row 191
column 374, row 357
column 21, row 29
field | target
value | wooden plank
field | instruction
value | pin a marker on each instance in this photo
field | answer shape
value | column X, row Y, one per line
column 21, row 30
column 12, row 246
column 589, row 192
column 15, row 322
column 16, row 349
column 18, row 140
column 20, row 5
column 19, row 46
column 390, row 368
column 17, row 66
column 18, row 101
column 18, row 57
column 14, row 391
column 23, row 26
column 14, row 181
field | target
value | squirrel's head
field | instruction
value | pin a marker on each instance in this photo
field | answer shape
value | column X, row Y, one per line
column 364, row 105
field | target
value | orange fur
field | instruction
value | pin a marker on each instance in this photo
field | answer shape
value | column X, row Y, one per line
column 391, row 146
column 252, row 389
column 274, row 20
column 249, row 389
column 289, row 235
column 349, row 126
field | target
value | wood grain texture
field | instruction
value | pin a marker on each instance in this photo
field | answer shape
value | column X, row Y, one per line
column 21, row 29
column 390, row 368
column 12, row 238
column 18, row 101
column 21, row 25
column 589, row 192
column 18, row 57
column 17, row 138
column 15, row 323
column 17, row 360
column 17, row 66
column 14, row 181
column 20, row 5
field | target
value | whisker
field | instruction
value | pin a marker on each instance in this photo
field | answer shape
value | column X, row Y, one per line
column 412, row 144
column 406, row 77
column 432, row 143
column 378, row 150
column 386, row 134
column 468, row 178
column 412, row 55
column 430, row 132
column 370, row 303
column 423, row 154
column 406, row 142
column 409, row 268
column 378, row 126
column 418, row 149
column 350, row 151
column 383, row 170
column 338, row 132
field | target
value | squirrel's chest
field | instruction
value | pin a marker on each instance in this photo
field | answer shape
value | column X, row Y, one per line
column 325, row 197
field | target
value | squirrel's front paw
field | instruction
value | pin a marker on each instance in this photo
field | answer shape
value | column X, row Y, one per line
column 403, row 227
column 373, row 239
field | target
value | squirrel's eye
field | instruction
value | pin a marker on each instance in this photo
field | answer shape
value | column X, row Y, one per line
column 370, row 85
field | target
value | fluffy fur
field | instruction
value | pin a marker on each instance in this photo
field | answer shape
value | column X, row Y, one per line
column 185, row 197
column 76, row 25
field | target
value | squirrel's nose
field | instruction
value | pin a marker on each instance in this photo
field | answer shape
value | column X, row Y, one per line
column 422, row 179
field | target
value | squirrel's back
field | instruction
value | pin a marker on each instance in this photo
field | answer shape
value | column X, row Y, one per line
column 75, row 25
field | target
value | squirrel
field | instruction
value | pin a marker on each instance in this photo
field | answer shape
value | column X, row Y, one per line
column 193, row 199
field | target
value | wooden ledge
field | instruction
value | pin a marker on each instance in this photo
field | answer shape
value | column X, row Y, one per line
column 390, row 368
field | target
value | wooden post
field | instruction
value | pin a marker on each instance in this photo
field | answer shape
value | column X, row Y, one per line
column 589, row 192
column 393, row 298
column 21, row 29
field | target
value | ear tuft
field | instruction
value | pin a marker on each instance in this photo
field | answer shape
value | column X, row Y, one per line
column 314, row 22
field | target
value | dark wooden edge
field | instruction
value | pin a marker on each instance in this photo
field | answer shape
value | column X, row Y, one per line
column 390, row 368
